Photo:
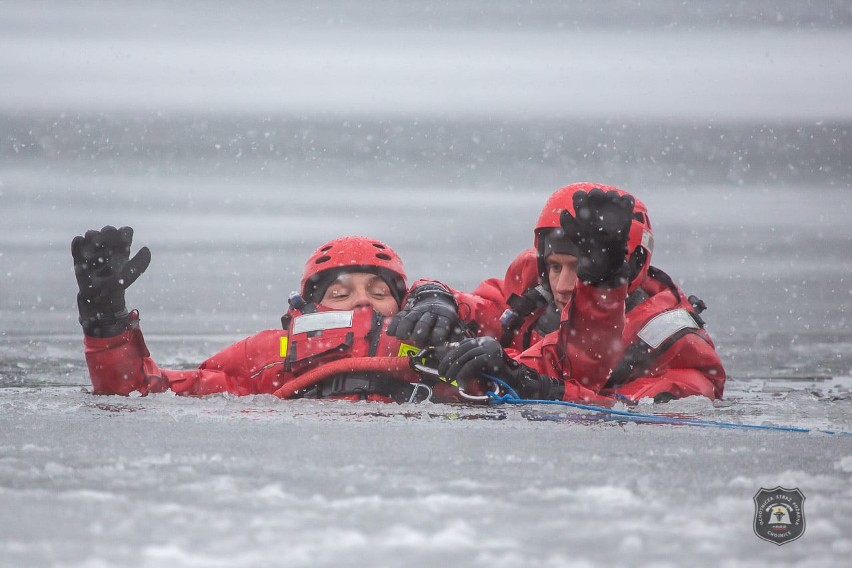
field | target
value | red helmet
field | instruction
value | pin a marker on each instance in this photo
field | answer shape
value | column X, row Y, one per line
column 352, row 254
column 640, row 242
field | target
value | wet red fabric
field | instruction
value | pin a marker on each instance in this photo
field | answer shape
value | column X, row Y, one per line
column 255, row 365
column 594, row 334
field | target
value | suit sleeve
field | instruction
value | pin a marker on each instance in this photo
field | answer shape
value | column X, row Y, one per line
column 123, row 365
column 587, row 345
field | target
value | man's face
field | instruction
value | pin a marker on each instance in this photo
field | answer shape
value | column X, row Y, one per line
column 357, row 289
column 562, row 276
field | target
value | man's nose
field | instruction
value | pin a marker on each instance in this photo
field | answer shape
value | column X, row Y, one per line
column 567, row 282
column 361, row 298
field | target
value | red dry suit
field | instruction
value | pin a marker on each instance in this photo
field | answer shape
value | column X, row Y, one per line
column 659, row 346
column 487, row 303
column 268, row 361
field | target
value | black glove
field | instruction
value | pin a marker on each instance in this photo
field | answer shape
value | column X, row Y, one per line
column 474, row 358
column 430, row 317
column 600, row 228
column 104, row 270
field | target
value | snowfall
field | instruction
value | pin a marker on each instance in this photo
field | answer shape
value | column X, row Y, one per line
column 236, row 137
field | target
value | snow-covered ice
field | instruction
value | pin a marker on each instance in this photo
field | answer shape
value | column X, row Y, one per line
column 225, row 481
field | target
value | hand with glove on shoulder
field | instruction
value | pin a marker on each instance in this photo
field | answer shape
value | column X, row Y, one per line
column 600, row 228
column 474, row 358
column 104, row 270
column 430, row 316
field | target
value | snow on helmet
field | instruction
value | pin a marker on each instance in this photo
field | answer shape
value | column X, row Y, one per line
column 548, row 231
column 352, row 254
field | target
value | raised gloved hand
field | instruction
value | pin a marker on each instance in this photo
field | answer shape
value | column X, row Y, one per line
column 429, row 317
column 600, row 228
column 104, row 270
column 473, row 359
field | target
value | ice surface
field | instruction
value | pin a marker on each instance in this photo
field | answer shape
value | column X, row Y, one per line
column 236, row 138
column 247, row 482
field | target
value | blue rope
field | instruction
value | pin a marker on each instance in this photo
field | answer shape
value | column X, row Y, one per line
column 513, row 398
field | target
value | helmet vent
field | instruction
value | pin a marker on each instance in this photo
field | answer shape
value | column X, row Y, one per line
column 383, row 256
column 325, row 248
column 380, row 246
column 322, row 259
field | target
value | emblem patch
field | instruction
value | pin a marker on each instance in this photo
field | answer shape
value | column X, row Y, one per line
column 779, row 515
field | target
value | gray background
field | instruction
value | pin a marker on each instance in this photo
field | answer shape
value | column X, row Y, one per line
column 236, row 137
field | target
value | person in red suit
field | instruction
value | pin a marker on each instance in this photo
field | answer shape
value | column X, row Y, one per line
column 349, row 289
column 583, row 316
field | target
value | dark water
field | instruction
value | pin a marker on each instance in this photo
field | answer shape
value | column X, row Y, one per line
column 400, row 153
